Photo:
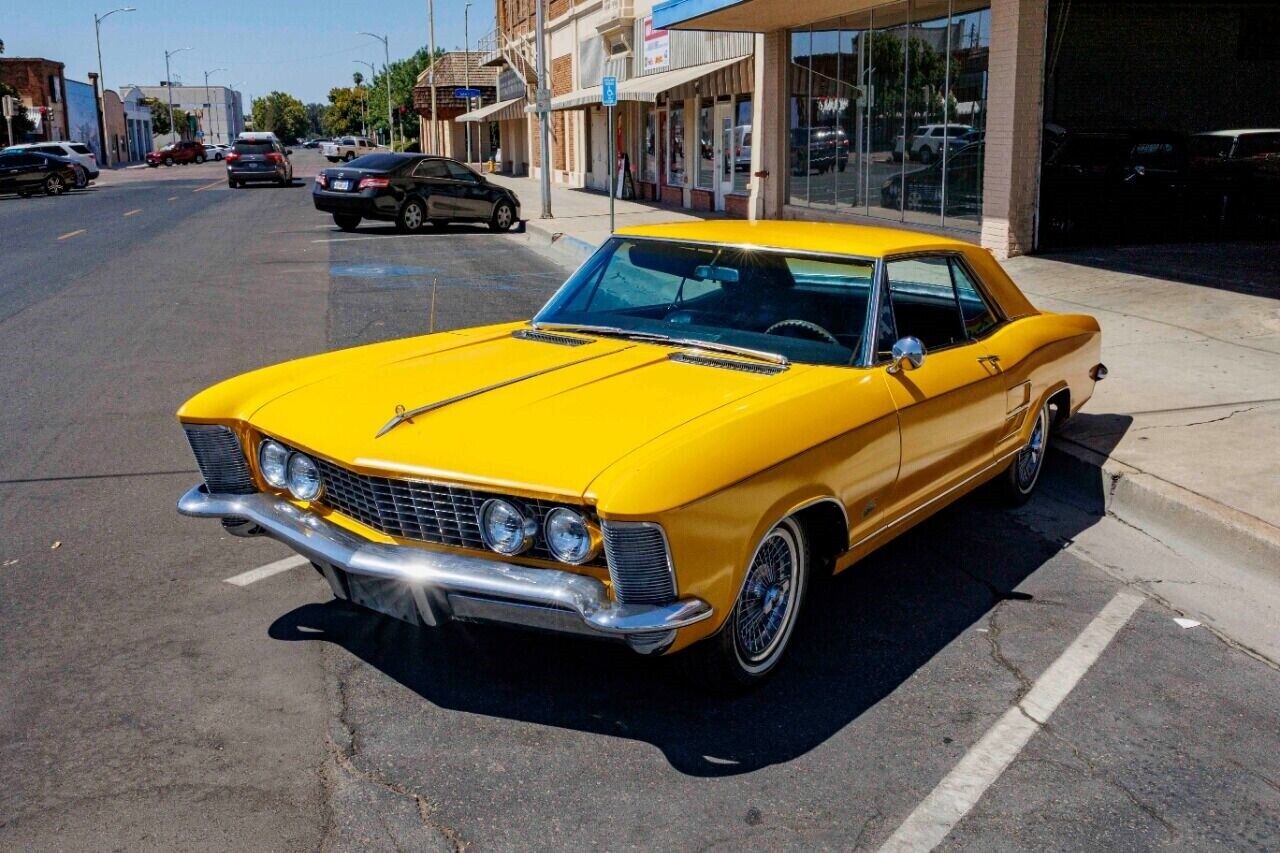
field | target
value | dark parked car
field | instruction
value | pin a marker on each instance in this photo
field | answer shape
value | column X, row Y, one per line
column 1108, row 186
column 412, row 190
column 828, row 148
column 1236, row 180
column 177, row 152
column 924, row 187
column 28, row 172
column 259, row 160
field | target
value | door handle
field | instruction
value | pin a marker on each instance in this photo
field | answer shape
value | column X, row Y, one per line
column 994, row 359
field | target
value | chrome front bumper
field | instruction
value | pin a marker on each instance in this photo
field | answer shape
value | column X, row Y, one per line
column 446, row 585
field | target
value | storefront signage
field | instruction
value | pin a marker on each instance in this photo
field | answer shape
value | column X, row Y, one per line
column 657, row 47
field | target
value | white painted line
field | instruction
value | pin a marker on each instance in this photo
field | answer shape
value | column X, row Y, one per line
column 71, row 234
column 208, row 186
column 133, row 212
column 254, row 575
column 419, row 235
column 961, row 789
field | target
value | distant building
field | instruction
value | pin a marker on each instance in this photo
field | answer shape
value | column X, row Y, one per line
column 138, row 125
column 82, row 117
column 42, row 88
column 219, row 111
column 454, row 70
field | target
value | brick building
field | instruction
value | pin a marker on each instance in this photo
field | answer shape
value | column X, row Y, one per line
column 42, row 86
column 445, row 134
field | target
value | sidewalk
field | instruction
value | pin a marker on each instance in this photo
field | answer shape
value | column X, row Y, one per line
column 1184, row 434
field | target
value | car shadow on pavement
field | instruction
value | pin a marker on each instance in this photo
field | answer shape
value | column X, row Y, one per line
column 862, row 635
column 1241, row 266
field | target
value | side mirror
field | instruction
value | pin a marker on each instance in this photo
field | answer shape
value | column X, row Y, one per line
column 908, row 354
column 288, row 151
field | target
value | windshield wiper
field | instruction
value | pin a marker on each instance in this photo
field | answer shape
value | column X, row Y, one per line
column 658, row 337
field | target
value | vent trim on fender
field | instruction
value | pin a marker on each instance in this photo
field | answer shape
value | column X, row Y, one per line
column 549, row 338
column 728, row 363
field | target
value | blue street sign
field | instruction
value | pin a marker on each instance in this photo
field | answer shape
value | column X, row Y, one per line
column 466, row 93
column 609, row 95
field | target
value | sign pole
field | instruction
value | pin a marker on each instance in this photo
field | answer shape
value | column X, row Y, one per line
column 613, row 163
column 543, row 104
column 609, row 97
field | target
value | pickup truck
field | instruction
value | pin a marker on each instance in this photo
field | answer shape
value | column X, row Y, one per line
column 346, row 148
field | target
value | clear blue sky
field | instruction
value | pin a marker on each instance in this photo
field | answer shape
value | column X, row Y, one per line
column 303, row 47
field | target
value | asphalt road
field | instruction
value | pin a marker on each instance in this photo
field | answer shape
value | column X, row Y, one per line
column 147, row 703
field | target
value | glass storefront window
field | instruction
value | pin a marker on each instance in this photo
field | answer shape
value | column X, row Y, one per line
column 649, row 164
column 888, row 112
column 742, row 146
column 706, row 146
column 675, row 146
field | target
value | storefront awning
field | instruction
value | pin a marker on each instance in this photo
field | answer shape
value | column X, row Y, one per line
column 501, row 111
column 644, row 89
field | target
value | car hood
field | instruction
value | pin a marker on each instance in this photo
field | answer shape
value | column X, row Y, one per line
column 502, row 411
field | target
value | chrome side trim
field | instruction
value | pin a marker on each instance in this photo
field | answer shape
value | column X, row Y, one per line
column 960, row 485
column 401, row 415
column 328, row 544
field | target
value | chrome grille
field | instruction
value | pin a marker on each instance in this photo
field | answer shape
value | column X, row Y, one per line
column 221, row 461
column 639, row 563
column 414, row 509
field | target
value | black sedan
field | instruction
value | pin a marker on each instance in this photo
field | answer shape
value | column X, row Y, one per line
column 412, row 191
column 29, row 172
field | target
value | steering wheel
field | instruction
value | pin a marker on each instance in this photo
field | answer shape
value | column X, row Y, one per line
column 804, row 325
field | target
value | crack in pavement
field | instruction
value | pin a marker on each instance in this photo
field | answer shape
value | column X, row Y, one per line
column 1225, row 417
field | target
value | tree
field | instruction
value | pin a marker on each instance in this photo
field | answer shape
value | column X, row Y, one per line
column 21, row 124
column 281, row 114
column 404, row 74
column 357, row 79
column 160, row 117
column 315, row 119
column 342, row 116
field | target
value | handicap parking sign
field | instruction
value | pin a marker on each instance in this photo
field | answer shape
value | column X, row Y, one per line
column 609, row 97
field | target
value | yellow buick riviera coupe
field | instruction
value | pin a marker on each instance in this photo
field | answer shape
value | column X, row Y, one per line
column 704, row 419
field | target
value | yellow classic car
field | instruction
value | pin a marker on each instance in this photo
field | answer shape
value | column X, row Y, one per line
column 705, row 419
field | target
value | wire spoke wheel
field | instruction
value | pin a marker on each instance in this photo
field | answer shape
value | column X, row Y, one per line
column 1031, row 456
column 767, row 607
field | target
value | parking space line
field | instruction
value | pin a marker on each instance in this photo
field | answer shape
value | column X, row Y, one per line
column 217, row 183
column 173, row 198
column 961, row 789
column 136, row 210
column 255, row 575
column 72, row 233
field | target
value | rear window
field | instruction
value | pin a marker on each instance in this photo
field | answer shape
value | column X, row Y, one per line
column 377, row 162
column 80, row 149
column 254, row 147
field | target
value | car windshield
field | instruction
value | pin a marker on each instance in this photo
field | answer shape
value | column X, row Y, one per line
column 786, row 305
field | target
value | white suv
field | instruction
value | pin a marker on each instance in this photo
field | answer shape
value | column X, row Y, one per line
column 927, row 141
column 77, row 151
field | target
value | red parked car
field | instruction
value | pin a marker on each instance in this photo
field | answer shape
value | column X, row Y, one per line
column 177, row 152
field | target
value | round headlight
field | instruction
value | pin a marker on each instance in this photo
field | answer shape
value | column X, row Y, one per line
column 505, row 527
column 570, row 539
column 304, row 478
column 273, row 462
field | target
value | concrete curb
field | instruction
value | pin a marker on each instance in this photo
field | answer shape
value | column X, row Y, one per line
column 1157, row 506
column 569, row 249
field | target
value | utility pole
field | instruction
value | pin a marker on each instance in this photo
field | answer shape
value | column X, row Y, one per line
column 386, row 52
column 364, row 96
column 466, row 72
column 102, row 83
column 435, row 125
column 209, row 101
column 544, row 122
column 168, row 87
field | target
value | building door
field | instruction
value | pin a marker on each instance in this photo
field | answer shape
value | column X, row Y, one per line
column 599, row 143
column 723, row 151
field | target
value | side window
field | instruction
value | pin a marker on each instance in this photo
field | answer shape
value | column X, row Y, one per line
column 459, row 172
column 923, row 298
column 430, row 169
column 978, row 316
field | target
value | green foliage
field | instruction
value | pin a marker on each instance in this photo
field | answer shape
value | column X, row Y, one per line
column 315, row 119
column 281, row 114
column 21, row 124
column 160, row 117
column 404, row 74
column 342, row 116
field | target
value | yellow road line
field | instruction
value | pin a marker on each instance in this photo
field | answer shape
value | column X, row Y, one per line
column 207, row 187
column 71, row 234
column 132, row 212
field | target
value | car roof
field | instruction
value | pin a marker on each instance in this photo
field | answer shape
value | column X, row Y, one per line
column 1241, row 132
column 866, row 241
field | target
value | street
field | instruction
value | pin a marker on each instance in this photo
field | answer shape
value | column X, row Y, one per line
column 147, row 703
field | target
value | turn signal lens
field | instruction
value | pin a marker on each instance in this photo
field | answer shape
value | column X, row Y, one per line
column 505, row 527
column 570, row 537
column 304, row 478
column 273, row 462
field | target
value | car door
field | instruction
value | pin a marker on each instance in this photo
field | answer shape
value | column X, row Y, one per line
column 952, row 408
column 472, row 194
column 10, row 172
column 30, row 173
column 439, row 188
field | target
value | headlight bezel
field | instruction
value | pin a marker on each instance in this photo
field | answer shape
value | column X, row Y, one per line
column 299, row 493
column 263, row 446
column 591, row 536
column 528, row 528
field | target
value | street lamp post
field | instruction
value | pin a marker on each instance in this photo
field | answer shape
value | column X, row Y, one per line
column 364, row 97
column 102, row 83
column 168, row 86
column 208, row 100
column 466, row 71
column 386, row 53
